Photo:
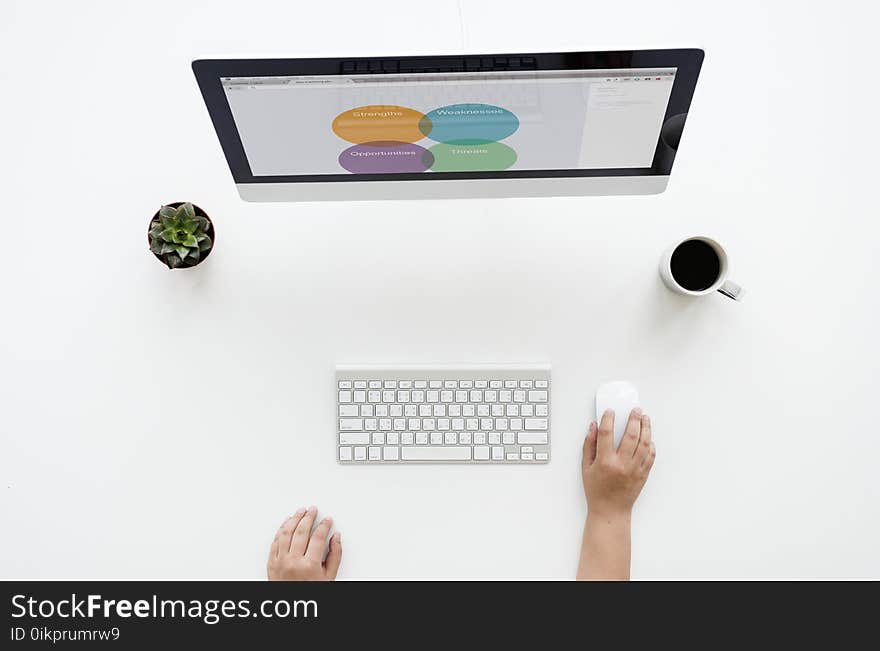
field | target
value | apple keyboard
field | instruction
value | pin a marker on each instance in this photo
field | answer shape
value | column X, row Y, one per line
column 474, row 414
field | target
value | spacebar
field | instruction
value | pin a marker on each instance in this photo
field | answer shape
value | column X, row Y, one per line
column 434, row 453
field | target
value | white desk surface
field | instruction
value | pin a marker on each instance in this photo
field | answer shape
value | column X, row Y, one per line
column 161, row 424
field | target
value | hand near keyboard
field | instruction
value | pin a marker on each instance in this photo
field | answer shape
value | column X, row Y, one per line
column 297, row 553
column 613, row 480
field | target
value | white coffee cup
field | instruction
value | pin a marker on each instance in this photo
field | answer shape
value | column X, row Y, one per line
column 720, row 284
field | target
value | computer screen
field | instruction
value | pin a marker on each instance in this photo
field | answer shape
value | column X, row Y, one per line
column 450, row 122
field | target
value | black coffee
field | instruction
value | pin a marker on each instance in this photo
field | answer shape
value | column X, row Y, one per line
column 695, row 265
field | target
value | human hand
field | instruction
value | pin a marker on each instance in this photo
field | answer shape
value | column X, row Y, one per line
column 613, row 478
column 297, row 553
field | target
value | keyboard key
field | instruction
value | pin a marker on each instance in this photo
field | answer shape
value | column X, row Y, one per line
column 388, row 396
column 525, row 384
column 512, row 410
column 537, row 396
column 497, row 410
column 482, row 410
column 410, row 411
column 511, row 456
column 476, row 395
column 541, row 456
column 464, row 438
column 531, row 438
column 528, row 456
column 420, row 384
column 446, row 396
column 479, row 438
column 509, row 438
column 436, row 438
column 454, row 410
column 460, row 396
column 468, row 410
column 403, row 396
column 360, row 454
column 385, row 424
column 527, row 410
column 344, row 384
column 366, row 410
column 375, row 384
column 435, row 384
column 378, row 438
column 395, row 411
column 374, row 454
column 407, row 438
column 494, row 438
column 509, row 384
column 392, row 438
column 345, row 453
column 360, row 384
column 495, row 384
column 351, row 424
column 519, row 396
column 405, row 384
column 534, row 423
column 541, row 384
column 466, row 384
column 349, row 410
column 371, row 424
column 497, row 453
column 432, row 396
column 424, row 411
column 345, row 396
column 360, row 396
column 481, row 384
column 450, row 438
column 481, row 453
column 390, row 384
column 450, row 384
column 399, row 424
column 445, row 453
column 526, row 448
column 490, row 396
column 541, row 410
column 417, row 396
column 391, row 453
column 516, row 424
column 413, row 424
column 504, row 396
column 374, row 396
column 354, row 438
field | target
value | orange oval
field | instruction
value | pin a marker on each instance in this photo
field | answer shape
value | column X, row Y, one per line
column 379, row 123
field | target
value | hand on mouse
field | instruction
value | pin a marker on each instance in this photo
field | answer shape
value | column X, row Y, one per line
column 613, row 480
column 297, row 553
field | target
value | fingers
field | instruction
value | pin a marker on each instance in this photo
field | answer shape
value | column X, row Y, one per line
column 605, row 442
column 590, row 444
column 334, row 556
column 300, row 539
column 630, row 441
column 281, row 544
column 648, row 463
column 646, row 444
column 315, row 549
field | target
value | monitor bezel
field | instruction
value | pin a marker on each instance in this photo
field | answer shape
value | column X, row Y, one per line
column 210, row 72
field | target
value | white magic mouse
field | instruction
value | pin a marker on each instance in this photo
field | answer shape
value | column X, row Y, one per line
column 621, row 397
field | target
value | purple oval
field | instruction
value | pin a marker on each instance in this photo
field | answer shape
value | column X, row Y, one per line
column 386, row 158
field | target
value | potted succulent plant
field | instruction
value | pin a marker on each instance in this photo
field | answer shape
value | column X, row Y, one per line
column 181, row 235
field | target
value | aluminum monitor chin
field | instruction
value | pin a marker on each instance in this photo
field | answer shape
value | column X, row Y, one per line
column 456, row 126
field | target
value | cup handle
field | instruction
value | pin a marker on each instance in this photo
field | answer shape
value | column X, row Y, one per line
column 731, row 290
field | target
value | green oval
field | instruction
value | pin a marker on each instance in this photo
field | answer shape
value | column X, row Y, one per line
column 489, row 157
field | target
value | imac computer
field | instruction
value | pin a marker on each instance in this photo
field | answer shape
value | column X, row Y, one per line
column 452, row 126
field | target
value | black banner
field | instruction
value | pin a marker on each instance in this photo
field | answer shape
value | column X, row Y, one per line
column 146, row 614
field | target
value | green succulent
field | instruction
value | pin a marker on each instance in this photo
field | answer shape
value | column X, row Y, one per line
column 179, row 237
